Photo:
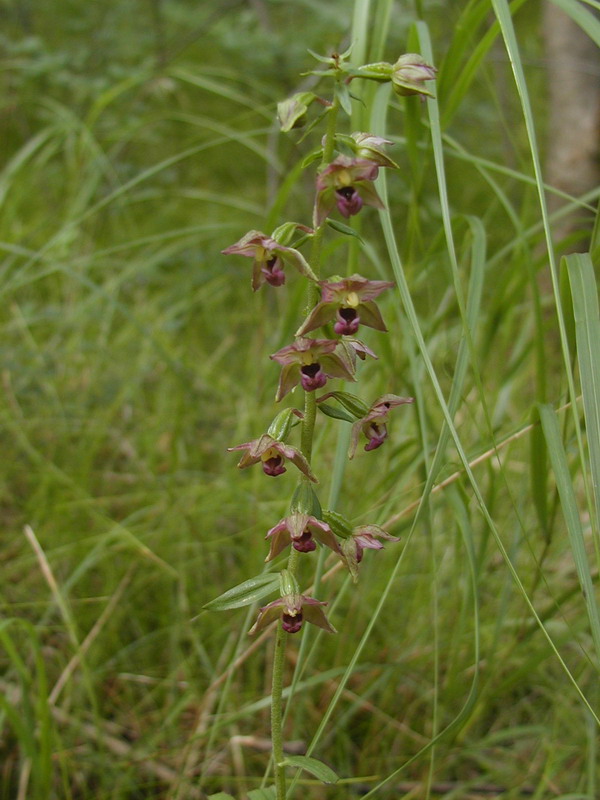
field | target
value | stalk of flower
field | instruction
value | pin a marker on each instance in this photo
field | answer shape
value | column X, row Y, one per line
column 311, row 362
column 350, row 301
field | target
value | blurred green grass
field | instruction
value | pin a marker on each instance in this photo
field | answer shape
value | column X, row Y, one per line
column 139, row 141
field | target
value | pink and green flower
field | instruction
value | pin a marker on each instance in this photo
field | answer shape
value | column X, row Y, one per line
column 350, row 301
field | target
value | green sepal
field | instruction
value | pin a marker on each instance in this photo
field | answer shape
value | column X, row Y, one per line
column 283, row 424
column 270, row 793
column 288, row 584
column 291, row 112
column 246, row 593
column 336, row 413
column 317, row 768
column 338, row 523
column 341, row 228
column 305, row 501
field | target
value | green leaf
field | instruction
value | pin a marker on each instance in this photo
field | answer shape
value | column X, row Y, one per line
column 316, row 155
column 246, row 593
column 336, row 413
column 568, row 502
column 587, row 332
column 263, row 794
column 312, row 765
column 341, row 228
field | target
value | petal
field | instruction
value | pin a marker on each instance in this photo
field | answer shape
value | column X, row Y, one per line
column 320, row 315
column 334, row 366
column 247, row 245
column 369, row 194
column 313, row 613
column 302, row 464
column 289, row 377
column 371, row 316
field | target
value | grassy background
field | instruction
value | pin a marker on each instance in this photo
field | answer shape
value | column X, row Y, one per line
column 139, row 141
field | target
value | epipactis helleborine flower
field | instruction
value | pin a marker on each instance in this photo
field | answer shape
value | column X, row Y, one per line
column 347, row 183
column 350, row 301
column 269, row 258
column 311, row 362
column 373, row 424
column 364, row 537
column 293, row 610
column 272, row 454
column 301, row 531
column 409, row 74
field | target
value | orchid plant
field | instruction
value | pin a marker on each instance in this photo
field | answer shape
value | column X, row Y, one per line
column 349, row 165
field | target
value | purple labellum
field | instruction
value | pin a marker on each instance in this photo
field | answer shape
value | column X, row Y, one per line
column 291, row 624
column 305, row 543
column 349, row 202
column 347, row 321
column 273, row 466
column 312, row 377
column 376, row 435
column 274, row 275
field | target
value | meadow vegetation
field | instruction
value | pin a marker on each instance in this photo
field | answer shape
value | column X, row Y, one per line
column 139, row 140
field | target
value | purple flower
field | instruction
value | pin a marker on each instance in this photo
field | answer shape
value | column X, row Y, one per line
column 269, row 258
column 351, row 302
column 301, row 531
column 311, row 362
column 293, row 610
column 347, row 183
column 374, row 423
column 272, row 454
column 365, row 537
column 410, row 73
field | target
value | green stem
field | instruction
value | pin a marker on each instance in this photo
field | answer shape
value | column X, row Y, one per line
column 276, row 712
column 306, row 443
